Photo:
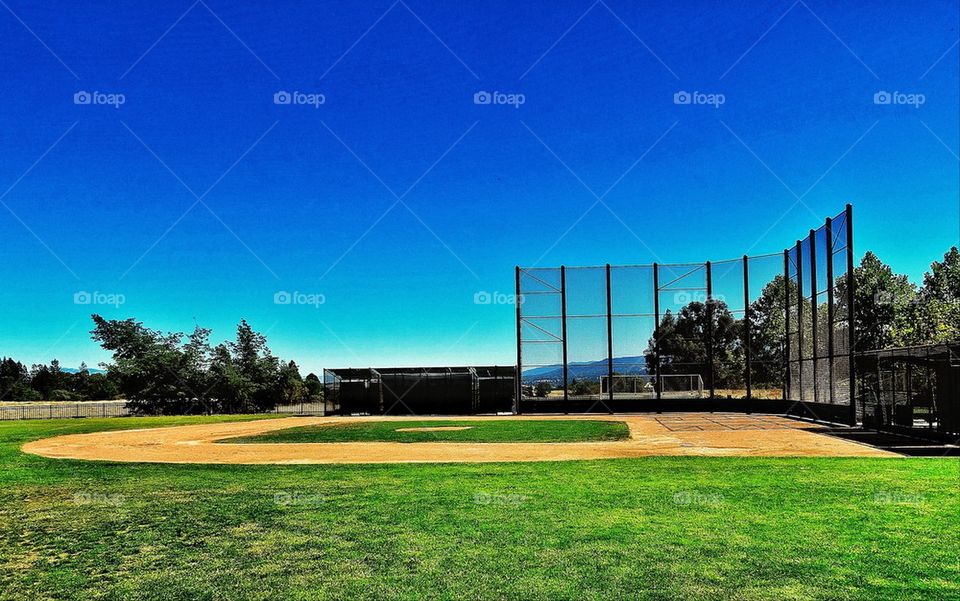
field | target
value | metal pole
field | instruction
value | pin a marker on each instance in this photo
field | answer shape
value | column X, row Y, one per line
column 518, row 379
column 850, row 312
column 656, row 329
column 609, row 340
column 829, row 233
column 787, row 392
column 563, row 329
column 746, row 326
column 710, row 344
column 813, row 311
column 800, row 319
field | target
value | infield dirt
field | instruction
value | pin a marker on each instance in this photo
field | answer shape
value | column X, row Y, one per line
column 669, row 434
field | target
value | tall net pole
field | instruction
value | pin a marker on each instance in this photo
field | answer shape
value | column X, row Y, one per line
column 710, row 345
column 563, row 332
column 850, row 313
column 609, row 338
column 518, row 377
column 746, row 327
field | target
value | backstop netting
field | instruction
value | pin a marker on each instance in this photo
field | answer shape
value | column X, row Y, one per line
column 774, row 328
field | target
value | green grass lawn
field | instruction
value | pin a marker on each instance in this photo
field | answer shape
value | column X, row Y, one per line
column 500, row 430
column 651, row 528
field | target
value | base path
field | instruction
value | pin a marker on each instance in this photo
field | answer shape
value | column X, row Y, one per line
column 701, row 434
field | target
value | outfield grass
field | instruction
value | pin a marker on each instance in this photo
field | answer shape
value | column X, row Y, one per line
column 500, row 430
column 651, row 528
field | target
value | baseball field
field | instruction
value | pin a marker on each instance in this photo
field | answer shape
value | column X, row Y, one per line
column 667, row 507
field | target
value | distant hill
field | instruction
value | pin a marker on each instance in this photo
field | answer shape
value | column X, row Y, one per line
column 92, row 370
column 591, row 370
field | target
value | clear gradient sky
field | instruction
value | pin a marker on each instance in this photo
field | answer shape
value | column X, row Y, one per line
column 399, row 198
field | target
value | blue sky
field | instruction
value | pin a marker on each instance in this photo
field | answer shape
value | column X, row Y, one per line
column 399, row 198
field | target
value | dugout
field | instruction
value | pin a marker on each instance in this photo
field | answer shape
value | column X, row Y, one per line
column 419, row 390
column 911, row 390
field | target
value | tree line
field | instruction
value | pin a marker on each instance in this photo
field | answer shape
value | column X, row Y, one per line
column 170, row 373
column 50, row 382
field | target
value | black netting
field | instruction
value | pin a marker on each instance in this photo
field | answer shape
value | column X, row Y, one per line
column 773, row 327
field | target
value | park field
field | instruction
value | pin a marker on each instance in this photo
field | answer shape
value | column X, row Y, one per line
column 645, row 528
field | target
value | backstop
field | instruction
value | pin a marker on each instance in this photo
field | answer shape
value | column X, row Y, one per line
column 763, row 333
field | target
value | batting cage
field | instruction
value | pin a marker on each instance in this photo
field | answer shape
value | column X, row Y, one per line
column 766, row 333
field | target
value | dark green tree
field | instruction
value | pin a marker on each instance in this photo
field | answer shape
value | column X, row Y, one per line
column 15, row 382
column 685, row 340
column 147, row 366
column 314, row 387
column 882, row 300
column 934, row 316
column 291, row 387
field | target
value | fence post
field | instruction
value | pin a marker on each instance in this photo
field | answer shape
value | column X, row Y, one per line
column 656, row 332
column 746, row 330
column 800, row 320
column 813, row 313
column 787, row 380
column 850, row 320
column 563, row 331
column 518, row 377
column 830, row 342
column 710, row 344
column 609, row 342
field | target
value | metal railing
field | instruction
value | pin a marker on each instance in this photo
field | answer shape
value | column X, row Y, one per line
column 79, row 409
